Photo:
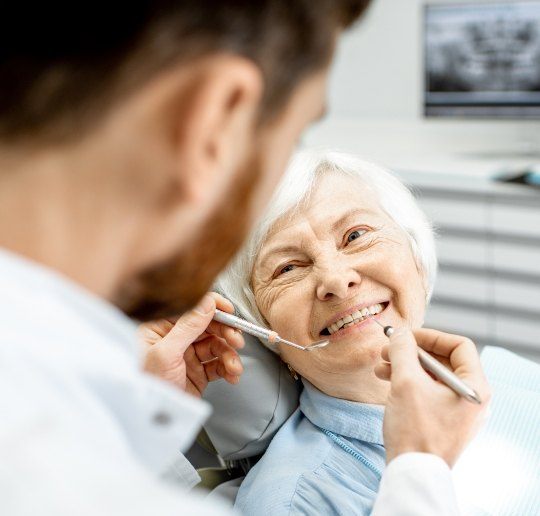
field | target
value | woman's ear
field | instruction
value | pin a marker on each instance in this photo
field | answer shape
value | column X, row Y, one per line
column 216, row 122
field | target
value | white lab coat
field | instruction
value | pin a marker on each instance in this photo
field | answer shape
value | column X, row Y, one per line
column 84, row 431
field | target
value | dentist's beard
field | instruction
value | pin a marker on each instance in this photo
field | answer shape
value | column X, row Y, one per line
column 171, row 288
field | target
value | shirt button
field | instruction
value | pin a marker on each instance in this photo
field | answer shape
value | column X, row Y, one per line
column 162, row 418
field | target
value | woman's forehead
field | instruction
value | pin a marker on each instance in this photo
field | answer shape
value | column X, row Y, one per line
column 335, row 200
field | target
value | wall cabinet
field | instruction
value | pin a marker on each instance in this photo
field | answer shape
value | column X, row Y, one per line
column 489, row 259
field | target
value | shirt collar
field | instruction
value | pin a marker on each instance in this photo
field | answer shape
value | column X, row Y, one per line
column 352, row 419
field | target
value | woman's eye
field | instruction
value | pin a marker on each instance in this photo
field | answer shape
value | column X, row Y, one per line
column 353, row 235
column 287, row 268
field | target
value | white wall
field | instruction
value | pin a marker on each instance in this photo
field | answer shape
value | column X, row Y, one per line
column 376, row 93
column 378, row 66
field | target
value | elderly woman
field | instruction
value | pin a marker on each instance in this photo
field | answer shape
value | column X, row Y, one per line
column 343, row 243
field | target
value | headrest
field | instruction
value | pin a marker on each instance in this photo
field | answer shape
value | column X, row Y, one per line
column 246, row 416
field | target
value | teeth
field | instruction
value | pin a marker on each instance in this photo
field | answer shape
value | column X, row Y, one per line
column 354, row 318
column 375, row 309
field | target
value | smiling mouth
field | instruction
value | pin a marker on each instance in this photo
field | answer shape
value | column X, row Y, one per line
column 354, row 318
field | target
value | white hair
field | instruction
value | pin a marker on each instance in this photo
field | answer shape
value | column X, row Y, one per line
column 303, row 170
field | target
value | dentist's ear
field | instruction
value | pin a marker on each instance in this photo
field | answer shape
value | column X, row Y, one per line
column 216, row 124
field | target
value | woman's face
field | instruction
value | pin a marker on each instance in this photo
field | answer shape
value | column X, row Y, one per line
column 320, row 271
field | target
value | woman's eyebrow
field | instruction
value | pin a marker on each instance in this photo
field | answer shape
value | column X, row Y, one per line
column 349, row 214
column 278, row 249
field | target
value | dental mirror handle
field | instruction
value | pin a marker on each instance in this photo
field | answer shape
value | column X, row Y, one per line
column 242, row 324
column 262, row 333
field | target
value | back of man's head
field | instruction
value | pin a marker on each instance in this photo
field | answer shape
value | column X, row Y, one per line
column 136, row 148
column 63, row 65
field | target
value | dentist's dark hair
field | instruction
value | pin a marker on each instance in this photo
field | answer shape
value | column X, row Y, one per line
column 63, row 65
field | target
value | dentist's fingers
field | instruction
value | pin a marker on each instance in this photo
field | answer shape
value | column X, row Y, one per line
column 213, row 348
column 456, row 352
column 215, row 370
column 191, row 325
column 424, row 415
column 231, row 335
column 383, row 371
column 403, row 356
column 462, row 355
column 164, row 356
column 212, row 360
column 460, row 351
column 234, row 337
column 152, row 332
column 222, row 302
column 203, row 350
column 442, row 359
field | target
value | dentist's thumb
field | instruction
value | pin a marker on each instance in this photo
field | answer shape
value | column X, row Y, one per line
column 192, row 324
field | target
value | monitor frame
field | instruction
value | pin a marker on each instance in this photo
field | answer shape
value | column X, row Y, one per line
column 513, row 110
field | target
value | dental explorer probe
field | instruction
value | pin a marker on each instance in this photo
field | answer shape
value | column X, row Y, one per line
column 262, row 333
column 442, row 373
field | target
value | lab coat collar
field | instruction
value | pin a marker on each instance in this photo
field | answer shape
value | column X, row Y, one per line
column 47, row 287
column 83, row 340
column 360, row 421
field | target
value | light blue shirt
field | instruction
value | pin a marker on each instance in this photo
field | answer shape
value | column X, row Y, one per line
column 329, row 447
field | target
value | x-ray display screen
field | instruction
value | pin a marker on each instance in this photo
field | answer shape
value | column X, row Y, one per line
column 483, row 59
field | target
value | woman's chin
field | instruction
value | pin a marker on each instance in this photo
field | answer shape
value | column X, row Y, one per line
column 353, row 352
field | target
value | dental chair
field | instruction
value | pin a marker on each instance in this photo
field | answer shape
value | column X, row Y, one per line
column 245, row 417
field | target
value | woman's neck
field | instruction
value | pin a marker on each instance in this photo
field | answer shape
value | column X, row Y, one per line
column 361, row 386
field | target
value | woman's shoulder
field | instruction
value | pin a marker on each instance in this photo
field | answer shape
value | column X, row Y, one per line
column 302, row 472
column 298, row 450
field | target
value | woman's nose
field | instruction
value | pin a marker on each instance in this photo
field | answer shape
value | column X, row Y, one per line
column 337, row 282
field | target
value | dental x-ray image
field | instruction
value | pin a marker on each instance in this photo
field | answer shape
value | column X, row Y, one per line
column 483, row 59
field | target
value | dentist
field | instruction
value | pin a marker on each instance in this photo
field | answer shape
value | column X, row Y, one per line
column 136, row 149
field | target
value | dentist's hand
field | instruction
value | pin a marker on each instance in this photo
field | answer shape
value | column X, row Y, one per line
column 193, row 350
column 422, row 414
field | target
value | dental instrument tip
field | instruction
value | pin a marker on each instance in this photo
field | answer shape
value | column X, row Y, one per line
column 317, row 345
column 388, row 330
column 375, row 320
